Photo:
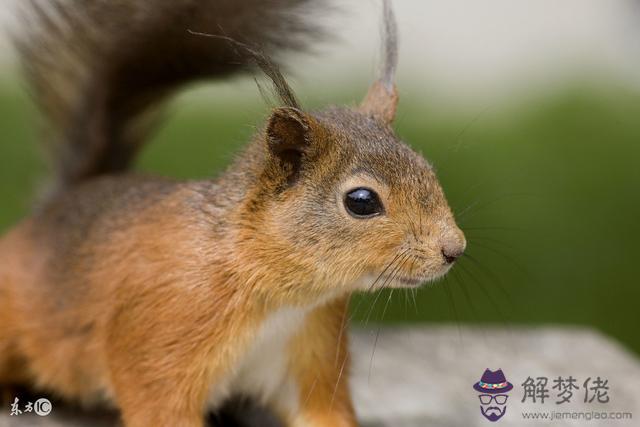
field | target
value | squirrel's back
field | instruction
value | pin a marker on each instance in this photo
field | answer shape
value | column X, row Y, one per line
column 100, row 70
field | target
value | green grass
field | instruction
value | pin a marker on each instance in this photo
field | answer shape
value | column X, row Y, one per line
column 548, row 193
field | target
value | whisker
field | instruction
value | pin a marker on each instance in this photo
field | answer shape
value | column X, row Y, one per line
column 452, row 305
column 373, row 350
column 420, row 257
column 343, row 326
column 387, row 267
column 386, row 306
column 406, row 304
column 502, row 228
column 414, row 292
column 476, row 315
column 373, row 305
column 505, row 256
column 487, row 295
column 313, row 386
column 494, row 277
column 395, row 258
column 406, row 297
column 335, row 388
column 385, row 283
column 473, row 238
column 481, row 205
column 466, row 294
column 421, row 251
column 375, row 342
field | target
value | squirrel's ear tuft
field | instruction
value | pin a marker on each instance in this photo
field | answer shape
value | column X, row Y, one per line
column 288, row 136
column 382, row 99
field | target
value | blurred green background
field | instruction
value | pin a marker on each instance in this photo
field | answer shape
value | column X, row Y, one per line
column 547, row 192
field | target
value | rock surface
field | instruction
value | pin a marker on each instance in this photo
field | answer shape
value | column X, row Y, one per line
column 423, row 376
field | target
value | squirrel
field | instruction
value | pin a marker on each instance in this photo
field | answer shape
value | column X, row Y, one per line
column 166, row 298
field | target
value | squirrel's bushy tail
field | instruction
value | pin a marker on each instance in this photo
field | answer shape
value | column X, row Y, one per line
column 99, row 67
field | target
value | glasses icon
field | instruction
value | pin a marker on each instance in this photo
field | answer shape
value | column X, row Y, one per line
column 486, row 399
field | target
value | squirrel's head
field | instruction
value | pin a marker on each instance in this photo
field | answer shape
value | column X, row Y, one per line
column 352, row 203
column 341, row 199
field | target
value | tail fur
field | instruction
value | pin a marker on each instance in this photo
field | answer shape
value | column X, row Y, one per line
column 99, row 68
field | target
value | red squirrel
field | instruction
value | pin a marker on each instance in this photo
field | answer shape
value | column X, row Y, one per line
column 165, row 298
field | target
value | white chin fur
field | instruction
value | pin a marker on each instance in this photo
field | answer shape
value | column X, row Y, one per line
column 372, row 282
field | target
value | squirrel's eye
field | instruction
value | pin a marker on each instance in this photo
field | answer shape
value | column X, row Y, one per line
column 363, row 203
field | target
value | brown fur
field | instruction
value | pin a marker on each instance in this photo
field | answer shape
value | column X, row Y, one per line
column 145, row 293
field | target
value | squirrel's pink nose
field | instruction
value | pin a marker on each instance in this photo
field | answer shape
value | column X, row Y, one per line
column 453, row 246
column 451, row 256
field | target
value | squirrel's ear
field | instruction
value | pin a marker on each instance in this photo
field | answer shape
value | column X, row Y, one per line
column 381, row 101
column 288, row 137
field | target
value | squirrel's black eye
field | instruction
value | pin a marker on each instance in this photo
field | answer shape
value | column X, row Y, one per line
column 363, row 203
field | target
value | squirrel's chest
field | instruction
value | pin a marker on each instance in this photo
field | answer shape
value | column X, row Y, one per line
column 262, row 371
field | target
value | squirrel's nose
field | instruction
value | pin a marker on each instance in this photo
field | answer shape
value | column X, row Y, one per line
column 450, row 256
column 454, row 246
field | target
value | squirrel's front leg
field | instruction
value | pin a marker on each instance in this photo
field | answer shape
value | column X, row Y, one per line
column 162, row 364
column 158, row 388
column 319, row 369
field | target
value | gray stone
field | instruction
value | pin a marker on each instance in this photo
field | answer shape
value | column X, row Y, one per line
column 423, row 376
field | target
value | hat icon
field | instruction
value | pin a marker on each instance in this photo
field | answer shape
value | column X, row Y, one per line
column 493, row 382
